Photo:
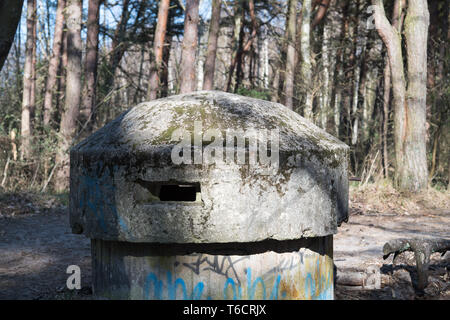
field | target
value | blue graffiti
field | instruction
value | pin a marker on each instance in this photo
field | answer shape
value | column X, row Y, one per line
column 95, row 199
column 173, row 286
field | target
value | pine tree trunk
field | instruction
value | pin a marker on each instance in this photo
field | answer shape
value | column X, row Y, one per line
column 87, row 111
column 54, row 62
column 290, row 57
column 413, row 175
column 73, row 93
column 210, row 63
column 306, row 58
column 238, row 14
column 158, row 45
column 397, row 22
column 28, row 92
column 190, row 40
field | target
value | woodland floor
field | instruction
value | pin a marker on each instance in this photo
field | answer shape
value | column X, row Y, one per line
column 36, row 247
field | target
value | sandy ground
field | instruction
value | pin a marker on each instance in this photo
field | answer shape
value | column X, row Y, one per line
column 36, row 247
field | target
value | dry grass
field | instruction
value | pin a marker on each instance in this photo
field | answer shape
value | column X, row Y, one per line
column 382, row 197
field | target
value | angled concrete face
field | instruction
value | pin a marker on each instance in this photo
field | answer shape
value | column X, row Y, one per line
column 119, row 173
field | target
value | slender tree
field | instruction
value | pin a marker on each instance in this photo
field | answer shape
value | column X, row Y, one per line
column 54, row 62
column 397, row 22
column 190, row 42
column 210, row 63
column 158, row 46
column 290, row 57
column 306, row 57
column 90, row 67
column 73, row 92
column 28, row 87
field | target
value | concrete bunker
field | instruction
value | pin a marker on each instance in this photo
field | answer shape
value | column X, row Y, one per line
column 161, row 229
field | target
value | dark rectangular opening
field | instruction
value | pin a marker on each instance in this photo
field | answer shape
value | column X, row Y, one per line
column 179, row 192
column 157, row 191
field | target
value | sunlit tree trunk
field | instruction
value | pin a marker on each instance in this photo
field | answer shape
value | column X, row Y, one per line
column 360, row 39
column 414, row 175
column 158, row 45
column 306, row 58
column 190, row 42
column 210, row 63
column 54, row 62
column 73, row 93
column 409, row 104
column 290, row 57
column 397, row 22
column 28, row 86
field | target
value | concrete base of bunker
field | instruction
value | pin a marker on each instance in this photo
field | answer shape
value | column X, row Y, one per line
column 292, row 269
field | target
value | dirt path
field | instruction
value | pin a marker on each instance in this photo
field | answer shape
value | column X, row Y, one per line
column 35, row 251
column 37, row 246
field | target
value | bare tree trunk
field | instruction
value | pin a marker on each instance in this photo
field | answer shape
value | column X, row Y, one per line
column 371, row 84
column 397, row 22
column 73, row 93
column 306, row 58
column 10, row 12
column 62, row 75
column 360, row 39
column 410, row 113
column 158, row 45
column 414, row 173
column 210, row 63
column 290, row 57
column 165, row 67
column 54, row 61
column 238, row 15
column 245, row 49
column 87, row 111
column 327, row 52
column 190, row 41
column 28, row 92
column 320, row 14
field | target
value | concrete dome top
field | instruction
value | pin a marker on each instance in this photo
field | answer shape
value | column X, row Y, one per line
column 127, row 181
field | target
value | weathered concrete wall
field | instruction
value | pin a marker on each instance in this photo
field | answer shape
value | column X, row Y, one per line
column 306, row 197
column 298, row 269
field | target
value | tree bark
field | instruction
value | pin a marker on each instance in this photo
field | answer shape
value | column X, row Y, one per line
column 54, row 62
column 190, row 42
column 236, row 41
column 210, row 63
column 392, row 40
column 413, row 175
column 324, row 4
column 306, row 58
column 10, row 12
column 290, row 57
column 28, row 87
column 73, row 93
column 158, row 45
column 87, row 112
column 397, row 22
